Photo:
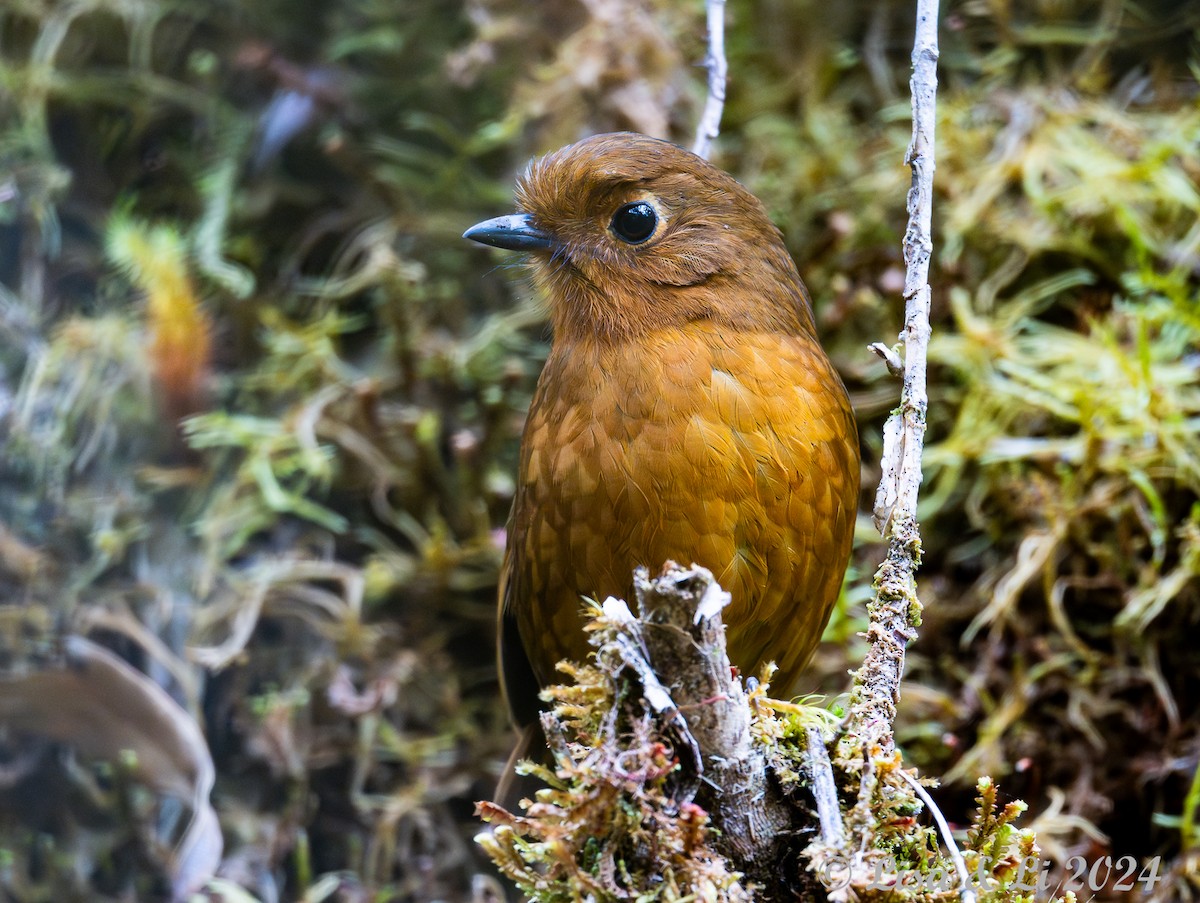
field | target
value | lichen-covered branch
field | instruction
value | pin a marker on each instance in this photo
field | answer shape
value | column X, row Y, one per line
column 895, row 610
column 866, row 750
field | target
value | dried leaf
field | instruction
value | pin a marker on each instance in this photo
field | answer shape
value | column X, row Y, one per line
column 105, row 708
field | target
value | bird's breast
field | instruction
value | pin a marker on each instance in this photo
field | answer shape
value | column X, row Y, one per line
column 736, row 452
column 681, row 404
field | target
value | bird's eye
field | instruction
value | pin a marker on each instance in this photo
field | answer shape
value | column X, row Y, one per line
column 634, row 223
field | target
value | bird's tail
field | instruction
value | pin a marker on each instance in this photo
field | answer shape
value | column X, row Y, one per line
column 513, row 787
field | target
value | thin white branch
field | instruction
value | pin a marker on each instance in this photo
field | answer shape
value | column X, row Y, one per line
column 899, row 495
column 895, row 606
column 718, row 71
column 966, row 893
column 918, row 249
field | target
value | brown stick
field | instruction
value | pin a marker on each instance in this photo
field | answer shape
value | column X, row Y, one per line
column 684, row 637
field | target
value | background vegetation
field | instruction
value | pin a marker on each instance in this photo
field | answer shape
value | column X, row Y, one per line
column 260, row 407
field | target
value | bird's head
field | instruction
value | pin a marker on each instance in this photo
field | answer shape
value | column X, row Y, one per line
column 628, row 234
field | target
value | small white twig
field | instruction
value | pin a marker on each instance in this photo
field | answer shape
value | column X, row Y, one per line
column 898, row 496
column 966, row 893
column 889, row 356
column 718, row 71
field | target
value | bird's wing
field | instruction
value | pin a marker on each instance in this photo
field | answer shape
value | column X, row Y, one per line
column 518, row 684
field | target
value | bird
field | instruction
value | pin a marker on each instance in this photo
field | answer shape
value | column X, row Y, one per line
column 686, row 411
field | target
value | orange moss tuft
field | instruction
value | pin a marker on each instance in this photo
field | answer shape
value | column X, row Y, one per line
column 180, row 331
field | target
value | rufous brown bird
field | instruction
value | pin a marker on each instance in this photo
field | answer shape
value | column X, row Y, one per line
column 686, row 411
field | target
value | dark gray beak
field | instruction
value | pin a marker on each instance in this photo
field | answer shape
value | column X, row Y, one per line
column 513, row 233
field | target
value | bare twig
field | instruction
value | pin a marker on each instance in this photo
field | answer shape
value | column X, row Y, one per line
column 894, row 364
column 895, row 609
column 966, row 892
column 824, row 789
column 718, row 70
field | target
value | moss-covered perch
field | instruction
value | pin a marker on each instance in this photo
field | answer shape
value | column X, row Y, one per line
column 673, row 777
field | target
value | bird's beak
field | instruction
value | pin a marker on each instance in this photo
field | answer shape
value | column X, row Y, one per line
column 513, row 233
